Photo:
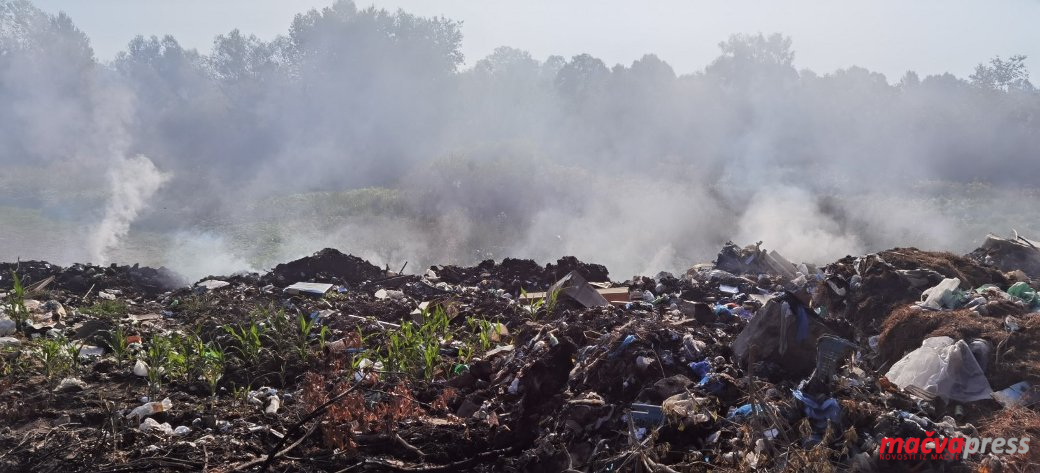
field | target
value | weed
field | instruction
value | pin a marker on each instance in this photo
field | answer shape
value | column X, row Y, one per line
column 71, row 353
column 194, row 304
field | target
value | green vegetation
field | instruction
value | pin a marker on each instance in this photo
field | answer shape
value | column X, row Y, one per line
column 118, row 344
column 57, row 355
column 535, row 306
column 248, row 341
column 112, row 310
column 16, row 303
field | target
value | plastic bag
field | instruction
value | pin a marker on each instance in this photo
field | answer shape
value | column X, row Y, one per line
column 1023, row 292
column 944, row 295
column 944, row 367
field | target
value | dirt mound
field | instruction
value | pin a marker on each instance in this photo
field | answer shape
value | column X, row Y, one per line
column 514, row 274
column 141, row 280
column 328, row 265
column 589, row 271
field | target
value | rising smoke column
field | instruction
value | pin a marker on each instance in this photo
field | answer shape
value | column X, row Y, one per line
column 132, row 181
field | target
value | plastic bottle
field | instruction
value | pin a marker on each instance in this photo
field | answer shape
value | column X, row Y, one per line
column 150, row 408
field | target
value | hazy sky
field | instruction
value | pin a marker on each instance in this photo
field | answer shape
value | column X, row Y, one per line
column 928, row 36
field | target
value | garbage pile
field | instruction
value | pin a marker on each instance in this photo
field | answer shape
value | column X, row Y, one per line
column 332, row 363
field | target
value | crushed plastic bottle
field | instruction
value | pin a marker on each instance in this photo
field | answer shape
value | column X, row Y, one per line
column 151, row 425
column 150, row 408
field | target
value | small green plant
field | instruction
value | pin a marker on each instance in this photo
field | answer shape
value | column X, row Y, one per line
column 466, row 353
column 323, row 336
column 194, row 304
column 483, row 329
column 212, row 366
column 55, row 356
column 16, row 303
column 552, row 298
column 118, row 344
column 72, row 354
column 249, row 340
column 431, row 356
column 416, row 347
column 306, row 326
column 157, row 356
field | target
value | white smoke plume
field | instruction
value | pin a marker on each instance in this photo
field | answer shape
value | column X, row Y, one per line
column 133, row 181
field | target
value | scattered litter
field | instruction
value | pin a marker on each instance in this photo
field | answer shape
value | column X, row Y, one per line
column 140, row 368
column 1018, row 394
column 70, row 385
column 308, row 288
column 203, row 287
column 149, row 408
column 87, row 352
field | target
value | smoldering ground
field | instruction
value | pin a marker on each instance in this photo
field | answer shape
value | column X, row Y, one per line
column 360, row 129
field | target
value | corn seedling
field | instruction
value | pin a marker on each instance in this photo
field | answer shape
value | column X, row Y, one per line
column 431, row 355
column 54, row 355
column 16, row 302
column 156, row 357
column 305, row 325
column 483, row 330
column 212, row 366
column 323, row 336
column 71, row 353
column 118, row 344
column 249, row 341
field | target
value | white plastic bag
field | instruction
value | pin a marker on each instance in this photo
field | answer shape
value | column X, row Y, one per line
column 944, row 367
column 944, row 295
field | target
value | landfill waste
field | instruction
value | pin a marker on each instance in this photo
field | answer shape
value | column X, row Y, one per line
column 752, row 362
column 1010, row 254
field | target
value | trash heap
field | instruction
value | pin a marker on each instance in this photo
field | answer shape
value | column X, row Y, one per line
column 331, row 363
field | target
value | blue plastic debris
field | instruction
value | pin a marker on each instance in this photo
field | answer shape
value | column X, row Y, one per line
column 742, row 411
column 624, row 344
column 701, row 368
column 803, row 324
column 708, row 380
column 819, row 411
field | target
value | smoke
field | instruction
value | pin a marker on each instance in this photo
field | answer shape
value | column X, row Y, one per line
column 133, row 181
column 359, row 129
